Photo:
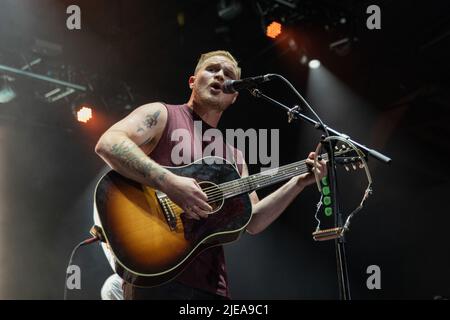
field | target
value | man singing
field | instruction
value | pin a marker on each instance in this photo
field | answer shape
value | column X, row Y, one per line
column 140, row 144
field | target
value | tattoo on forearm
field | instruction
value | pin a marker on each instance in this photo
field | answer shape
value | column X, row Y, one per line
column 150, row 120
column 125, row 154
column 162, row 177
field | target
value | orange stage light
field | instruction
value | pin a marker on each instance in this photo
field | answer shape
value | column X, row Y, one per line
column 273, row 30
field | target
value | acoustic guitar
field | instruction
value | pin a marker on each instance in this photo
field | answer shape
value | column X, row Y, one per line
column 151, row 238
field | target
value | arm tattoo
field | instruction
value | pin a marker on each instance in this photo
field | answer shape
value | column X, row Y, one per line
column 162, row 177
column 125, row 154
column 150, row 120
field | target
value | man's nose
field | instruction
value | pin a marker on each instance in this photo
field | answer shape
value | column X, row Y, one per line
column 219, row 75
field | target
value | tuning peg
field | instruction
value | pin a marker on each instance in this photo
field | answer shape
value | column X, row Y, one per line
column 346, row 168
column 336, row 148
column 361, row 165
column 354, row 166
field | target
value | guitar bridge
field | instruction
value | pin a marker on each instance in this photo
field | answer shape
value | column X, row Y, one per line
column 167, row 209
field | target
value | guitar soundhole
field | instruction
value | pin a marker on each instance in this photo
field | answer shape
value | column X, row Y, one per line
column 215, row 195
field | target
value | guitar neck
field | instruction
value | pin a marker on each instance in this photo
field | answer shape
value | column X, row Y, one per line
column 264, row 179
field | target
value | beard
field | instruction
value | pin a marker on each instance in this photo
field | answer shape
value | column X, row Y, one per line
column 210, row 101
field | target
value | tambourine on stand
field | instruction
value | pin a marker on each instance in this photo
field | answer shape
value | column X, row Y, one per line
column 359, row 158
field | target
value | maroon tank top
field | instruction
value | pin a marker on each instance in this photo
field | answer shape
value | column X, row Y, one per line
column 207, row 271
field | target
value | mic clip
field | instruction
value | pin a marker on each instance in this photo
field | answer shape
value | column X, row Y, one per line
column 255, row 92
column 291, row 113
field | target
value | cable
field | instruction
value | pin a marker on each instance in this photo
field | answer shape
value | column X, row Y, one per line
column 318, row 206
column 82, row 243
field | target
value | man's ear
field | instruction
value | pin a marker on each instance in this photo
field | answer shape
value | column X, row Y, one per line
column 191, row 82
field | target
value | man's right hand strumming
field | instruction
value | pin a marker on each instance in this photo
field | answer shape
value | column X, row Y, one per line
column 188, row 195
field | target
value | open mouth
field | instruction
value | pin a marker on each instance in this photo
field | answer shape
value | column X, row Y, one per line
column 216, row 86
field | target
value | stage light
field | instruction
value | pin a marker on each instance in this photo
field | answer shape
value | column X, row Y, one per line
column 273, row 30
column 314, row 64
column 7, row 94
column 84, row 114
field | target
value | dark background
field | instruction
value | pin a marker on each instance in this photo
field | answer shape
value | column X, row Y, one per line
column 388, row 90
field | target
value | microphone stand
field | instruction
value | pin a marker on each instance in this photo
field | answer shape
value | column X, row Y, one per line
column 295, row 114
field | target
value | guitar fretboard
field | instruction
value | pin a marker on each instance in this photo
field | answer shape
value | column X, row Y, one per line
column 266, row 178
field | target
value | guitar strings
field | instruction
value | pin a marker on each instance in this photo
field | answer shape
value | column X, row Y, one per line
column 224, row 185
column 233, row 185
column 217, row 196
column 227, row 186
column 230, row 185
column 173, row 206
column 220, row 191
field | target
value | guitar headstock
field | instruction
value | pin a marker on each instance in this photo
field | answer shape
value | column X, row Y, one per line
column 348, row 157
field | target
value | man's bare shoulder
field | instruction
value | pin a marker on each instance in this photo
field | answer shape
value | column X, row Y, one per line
column 147, row 114
column 144, row 124
column 151, row 107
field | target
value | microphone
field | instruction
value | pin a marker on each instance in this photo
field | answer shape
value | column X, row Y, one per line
column 232, row 86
